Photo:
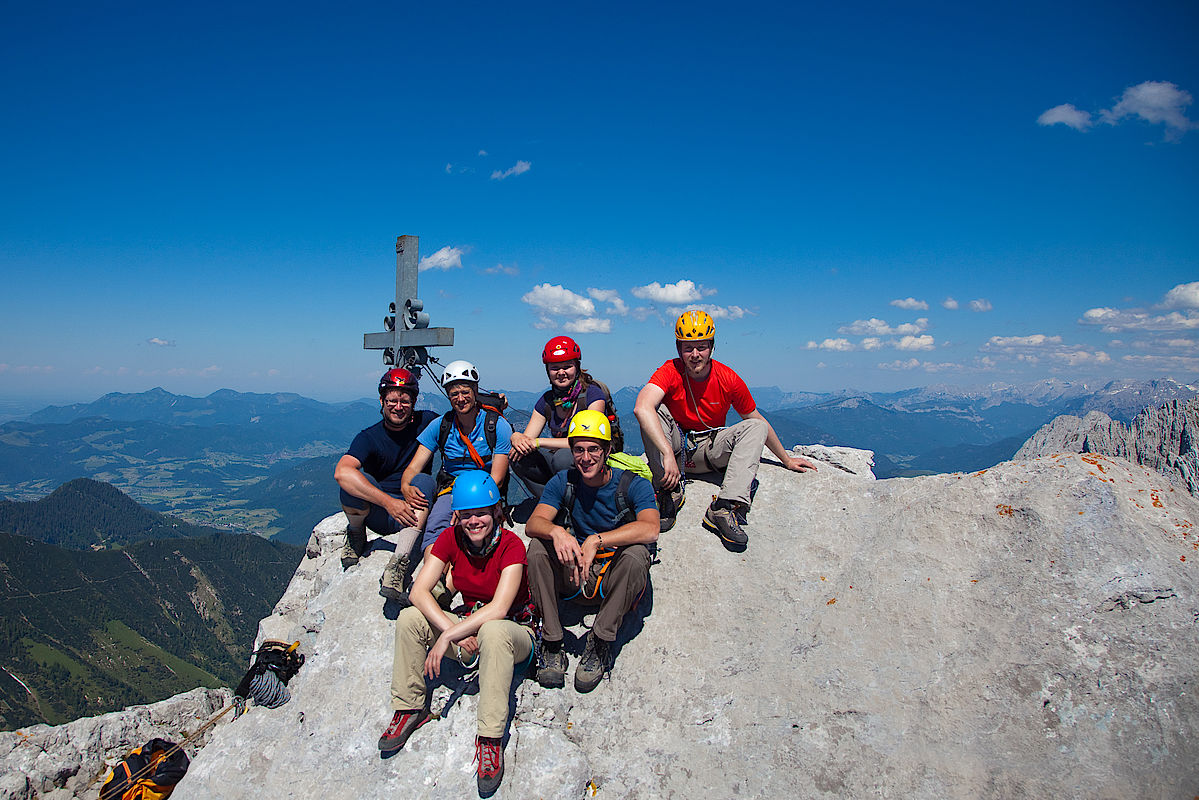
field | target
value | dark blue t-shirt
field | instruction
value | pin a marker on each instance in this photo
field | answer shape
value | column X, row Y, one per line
column 558, row 426
column 385, row 453
column 595, row 508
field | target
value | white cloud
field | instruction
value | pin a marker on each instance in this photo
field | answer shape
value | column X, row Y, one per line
column 157, row 342
column 910, row 304
column 589, row 325
column 449, row 169
column 519, row 168
column 1189, row 364
column 949, row 303
column 482, row 152
column 924, row 342
column 911, row 363
column 1078, row 358
column 717, row 312
column 914, row 363
column 612, row 297
column 839, row 345
column 674, row 293
column 445, row 258
column 878, row 327
column 1114, row 321
column 1181, row 344
column 558, row 300
column 1184, row 295
column 500, row 269
column 1156, row 102
column 1066, row 114
column 1035, row 340
column 872, row 343
column 981, row 304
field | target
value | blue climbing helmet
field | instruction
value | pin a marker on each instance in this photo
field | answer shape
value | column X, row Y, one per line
column 474, row 489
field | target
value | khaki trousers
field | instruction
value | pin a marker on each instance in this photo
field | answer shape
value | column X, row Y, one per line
column 623, row 584
column 502, row 645
column 736, row 449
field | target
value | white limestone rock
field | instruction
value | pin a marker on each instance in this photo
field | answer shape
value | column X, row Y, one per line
column 1031, row 630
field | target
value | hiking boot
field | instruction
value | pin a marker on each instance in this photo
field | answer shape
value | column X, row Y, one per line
column 440, row 593
column 669, row 503
column 594, row 664
column 551, row 673
column 722, row 519
column 403, row 724
column 391, row 582
column 489, row 752
column 354, row 547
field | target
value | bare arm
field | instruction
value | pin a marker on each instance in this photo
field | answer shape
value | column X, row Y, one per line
column 350, row 477
column 793, row 463
column 522, row 443
column 496, row 608
column 414, row 468
column 646, row 411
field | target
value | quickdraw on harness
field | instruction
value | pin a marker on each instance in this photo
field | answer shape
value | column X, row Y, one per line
column 265, row 682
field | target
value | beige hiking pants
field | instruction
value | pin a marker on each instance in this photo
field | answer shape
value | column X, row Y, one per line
column 502, row 645
column 736, row 449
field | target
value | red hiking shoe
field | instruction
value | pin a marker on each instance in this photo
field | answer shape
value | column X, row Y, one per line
column 403, row 724
column 489, row 753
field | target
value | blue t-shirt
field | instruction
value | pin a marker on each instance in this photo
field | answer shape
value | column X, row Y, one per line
column 384, row 453
column 595, row 508
column 455, row 458
column 556, row 424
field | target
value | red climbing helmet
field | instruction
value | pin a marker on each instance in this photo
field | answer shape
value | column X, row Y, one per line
column 398, row 378
column 559, row 349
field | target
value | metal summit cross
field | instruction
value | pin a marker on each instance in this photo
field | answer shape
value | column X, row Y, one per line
column 405, row 345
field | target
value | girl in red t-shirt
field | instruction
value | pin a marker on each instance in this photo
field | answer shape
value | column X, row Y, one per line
column 487, row 565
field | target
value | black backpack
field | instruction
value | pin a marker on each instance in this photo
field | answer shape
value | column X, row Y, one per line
column 609, row 412
column 148, row 773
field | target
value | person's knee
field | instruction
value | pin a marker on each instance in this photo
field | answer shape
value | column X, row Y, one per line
column 410, row 621
column 491, row 634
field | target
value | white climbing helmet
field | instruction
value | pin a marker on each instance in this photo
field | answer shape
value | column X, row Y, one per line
column 459, row 371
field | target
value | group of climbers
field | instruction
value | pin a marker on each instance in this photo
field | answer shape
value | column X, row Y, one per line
column 592, row 533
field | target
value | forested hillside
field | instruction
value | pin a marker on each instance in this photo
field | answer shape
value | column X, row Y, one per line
column 87, row 632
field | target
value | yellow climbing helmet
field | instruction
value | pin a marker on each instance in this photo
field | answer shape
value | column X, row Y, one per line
column 590, row 424
column 694, row 326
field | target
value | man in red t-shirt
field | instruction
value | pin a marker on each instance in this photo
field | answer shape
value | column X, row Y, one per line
column 682, row 411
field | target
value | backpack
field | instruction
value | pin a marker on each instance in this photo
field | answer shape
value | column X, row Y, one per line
column 148, row 773
column 275, row 663
column 609, row 412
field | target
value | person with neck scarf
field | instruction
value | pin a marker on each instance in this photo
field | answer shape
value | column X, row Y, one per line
column 537, row 457
column 492, row 629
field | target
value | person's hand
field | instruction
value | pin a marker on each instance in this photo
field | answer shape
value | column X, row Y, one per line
column 589, row 549
column 670, row 473
column 436, row 653
column 415, row 497
column 570, row 555
column 469, row 645
column 798, row 464
column 400, row 510
column 521, row 446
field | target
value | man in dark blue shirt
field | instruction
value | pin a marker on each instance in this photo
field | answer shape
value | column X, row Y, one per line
column 369, row 476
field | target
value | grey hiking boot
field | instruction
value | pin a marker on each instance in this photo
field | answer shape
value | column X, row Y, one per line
column 551, row 673
column 723, row 519
column 669, row 503
column 353, row 549
column 391, row 582
column 595, row 663
column 440, row 593
column 403, row 725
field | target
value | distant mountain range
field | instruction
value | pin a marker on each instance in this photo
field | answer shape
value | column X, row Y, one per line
column 263, row 463
column 83, row 631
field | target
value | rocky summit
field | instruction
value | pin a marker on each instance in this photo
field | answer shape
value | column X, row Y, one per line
column 1030, row 630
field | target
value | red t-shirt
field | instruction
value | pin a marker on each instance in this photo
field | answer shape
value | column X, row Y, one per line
column 477, row 578
column 713, row 395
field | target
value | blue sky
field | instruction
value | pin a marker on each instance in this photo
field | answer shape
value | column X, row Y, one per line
column 209, row 197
